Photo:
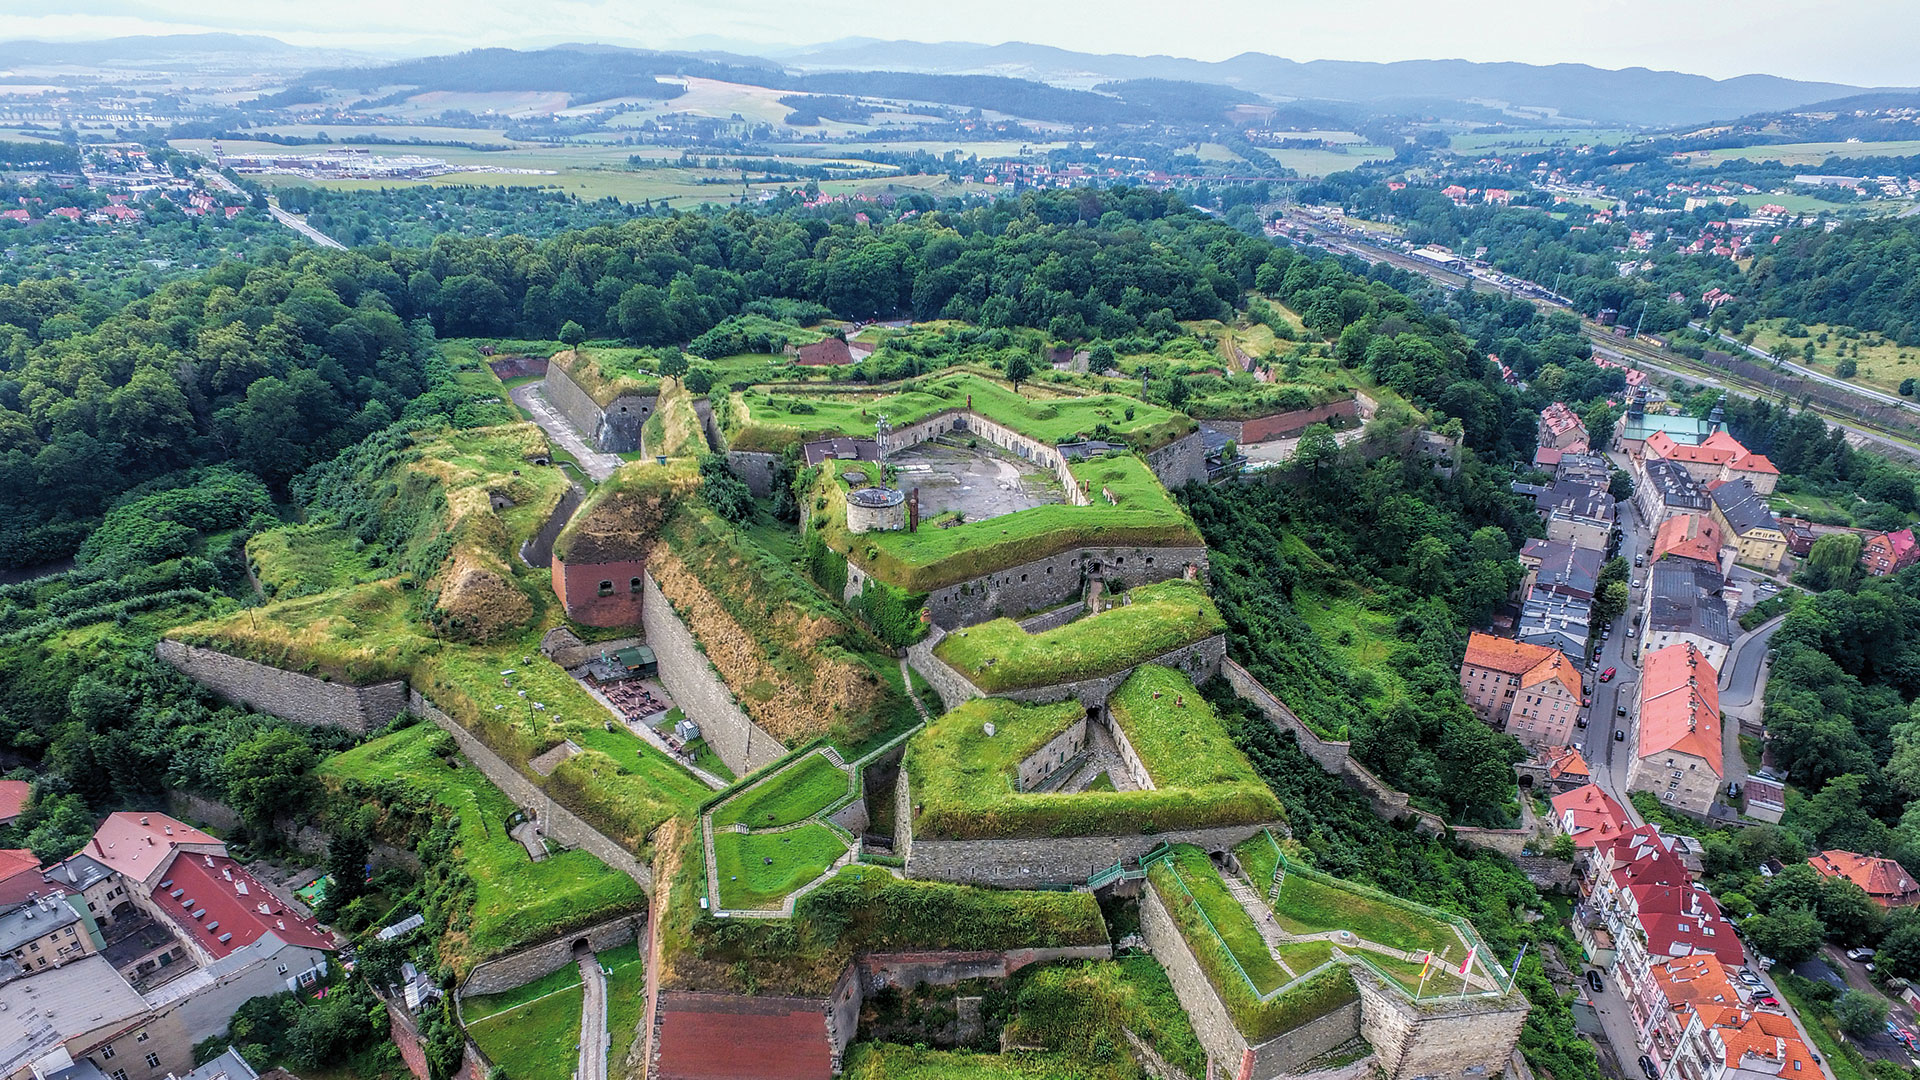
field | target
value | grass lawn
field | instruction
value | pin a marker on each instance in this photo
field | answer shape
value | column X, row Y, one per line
column 1307, row 905
column 1258, row 857
column 892, row 1061
column 539, row 1041
column 482, row 1006
column 706, row 759
column 1304, row 956
column 1229, row 919
column 607, row 371
column 1143, row 515
column 964, row 779
column 1882, row 363
column 764, row 419
column 516, row 900
column 626, row 1001
column 1443, row 977
column 674, row 428
column 747, row 880
column 1000, row 656
column 307, row 559
column 797, row 792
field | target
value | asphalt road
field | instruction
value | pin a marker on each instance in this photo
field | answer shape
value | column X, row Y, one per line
column 1605, row 755
column 299, row 224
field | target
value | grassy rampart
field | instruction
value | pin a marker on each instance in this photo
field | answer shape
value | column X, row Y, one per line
column 1142, row 515
column 966, row 781
column 1155, row 619
column 607, row 372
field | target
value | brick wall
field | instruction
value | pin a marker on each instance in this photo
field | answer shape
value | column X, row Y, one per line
column 1048, row 860
column 538, row 961
column 698, row 690
column 1281, row 425
column 1044, row 584
column 290, row 695
column 1211, row 1021
column 578, row 585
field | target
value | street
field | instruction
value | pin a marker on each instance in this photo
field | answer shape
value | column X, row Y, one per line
column 1607, row 757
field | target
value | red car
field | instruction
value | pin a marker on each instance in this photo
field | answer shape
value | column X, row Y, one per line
column 1607, row 675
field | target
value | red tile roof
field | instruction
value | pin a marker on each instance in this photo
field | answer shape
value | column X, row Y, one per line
column 19, row 875
column 726, row 1037
column 1566, row 761
column 13, row 798
column 1554, row 668
column 1883, row 879
column 1696, row 982
column 137, row 844
column 231, row 904
column 1505, row 654
column 1681, row 920
column 1590, row 815
column 1680, row 706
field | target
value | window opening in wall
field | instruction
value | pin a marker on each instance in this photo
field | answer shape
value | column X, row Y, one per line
column 606, row 588
column 633, row 585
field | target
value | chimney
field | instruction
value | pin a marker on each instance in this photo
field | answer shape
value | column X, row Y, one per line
column 96, row 845
column 143, row 819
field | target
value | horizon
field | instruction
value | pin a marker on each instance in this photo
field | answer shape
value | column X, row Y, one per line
column 1867, row 46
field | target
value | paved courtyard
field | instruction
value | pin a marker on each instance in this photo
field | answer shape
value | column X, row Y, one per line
column 979, row 483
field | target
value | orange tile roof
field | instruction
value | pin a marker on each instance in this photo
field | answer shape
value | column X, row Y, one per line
column 1883, row 879
column 1764, row 1042
column 1680, row 706
column 1689, row 536
column 1753, row 463
column 1566, row 761
column 1554, row 668
column 1717, row 449
column 1699, row 981
column 1505, row 654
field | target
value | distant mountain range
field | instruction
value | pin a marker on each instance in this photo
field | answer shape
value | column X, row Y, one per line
column 1637, row 97
column 991, row 76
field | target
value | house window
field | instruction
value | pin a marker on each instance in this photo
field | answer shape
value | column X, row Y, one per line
column 119, row 1074
column 106, row 1053
column 633, row 585
column 153, row 1061
column 142, row 1037
column 606, row 588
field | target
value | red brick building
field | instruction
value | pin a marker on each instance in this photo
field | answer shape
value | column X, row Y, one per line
column 600, row 593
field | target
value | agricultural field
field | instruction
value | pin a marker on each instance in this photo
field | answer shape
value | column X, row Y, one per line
column 1811, row 153
column 516, row 900
column 1150, row 620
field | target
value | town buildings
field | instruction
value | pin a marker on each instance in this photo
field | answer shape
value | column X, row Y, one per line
column 1530, row 691
column 1884, row 880
column 1578, row 514
column 1680, row 755
column 1560, row 429
column 1889, row 553
column 1664, row 489
column 1689, row 536
column 1687, row 603
column 1589, row 815
column 1748, row 523
column 1718, row 457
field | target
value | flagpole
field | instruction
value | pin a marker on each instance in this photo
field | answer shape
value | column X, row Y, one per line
column 1514, row 975
column 1425, row 970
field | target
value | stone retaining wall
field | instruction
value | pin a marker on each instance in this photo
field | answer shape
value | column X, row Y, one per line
column 1214, row 1026
column 1180, row 462
column 945, row 967
column 572, row 402
column 966, row 422
column 698, row 689
column 289, row 695
column 539, row 961
column 1048, row 860
column 1199, row 661
column 1055, row 619
column 613, row 429
column 755, row 469
column 1440, row 1038
column 558, row 822
column 1045, row 584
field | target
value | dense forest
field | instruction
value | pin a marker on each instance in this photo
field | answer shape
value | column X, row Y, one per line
column 1864, row 275
column 413, row 215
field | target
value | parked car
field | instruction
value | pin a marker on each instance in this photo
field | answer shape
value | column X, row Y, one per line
column 1619, row 710
column 1750, row 978
column 1619, row 735
column 1861, row 954
column 1633, row 631
column 1593, row 980
column 1647, row 1066
column 1637, row 582
column 1607, row 675
column 1767, row 1000
column 1639, row 560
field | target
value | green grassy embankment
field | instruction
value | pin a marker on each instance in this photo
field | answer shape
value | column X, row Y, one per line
column 1149, row 621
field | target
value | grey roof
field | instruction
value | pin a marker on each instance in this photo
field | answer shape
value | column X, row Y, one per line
column 228, row 1066
column 1592, row 470
column 1674, row 485
column 1577, row 500
column 1556, row 620
column 1566, row 567
column 33, row 920
column 72, row 999
column 411, row 922
column 1684, row 598
column 841, row 447
column 1743, row 507
column 1531, row 491
column 83, row 1069
column 77, row 872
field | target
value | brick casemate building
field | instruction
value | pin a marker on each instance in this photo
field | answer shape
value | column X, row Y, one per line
column 600, row 558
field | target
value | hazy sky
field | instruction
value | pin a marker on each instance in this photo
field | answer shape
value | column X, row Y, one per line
column 1861, row 42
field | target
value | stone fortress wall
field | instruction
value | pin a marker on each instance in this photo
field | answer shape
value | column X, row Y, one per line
column 1048, row 583
column 613, row 429
column 963, row 422
column 290, row 695
column 698, row 689
column 538, row 961
column 1199, row 661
